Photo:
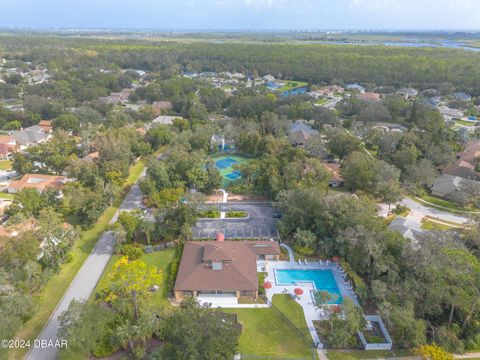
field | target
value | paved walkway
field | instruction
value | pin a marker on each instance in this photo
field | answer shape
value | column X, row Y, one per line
column 86, row 279
column 306, row 301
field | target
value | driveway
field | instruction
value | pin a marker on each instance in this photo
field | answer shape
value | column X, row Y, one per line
column 428, row 211
column 260, row 223
column 86, row 279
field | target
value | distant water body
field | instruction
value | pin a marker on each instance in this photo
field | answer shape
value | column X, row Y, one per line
column 449, row 45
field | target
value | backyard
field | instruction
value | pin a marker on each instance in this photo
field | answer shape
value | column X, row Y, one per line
column 267, row 333
column 160, row 259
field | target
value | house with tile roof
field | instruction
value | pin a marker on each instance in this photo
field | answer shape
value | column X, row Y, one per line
column 39, row 182
column 225, row 268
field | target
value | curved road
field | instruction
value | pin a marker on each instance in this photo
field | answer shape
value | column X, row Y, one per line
column 87, row 277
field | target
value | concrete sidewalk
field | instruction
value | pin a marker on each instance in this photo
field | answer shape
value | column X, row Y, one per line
column 86, row 279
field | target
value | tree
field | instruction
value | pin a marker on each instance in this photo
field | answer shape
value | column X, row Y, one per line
column 21, row 164
column 359, row 171
column 84, row 325
column 131, row 283
column 67, row 122
column 342, row 329
column 196, row 332
column 342, row 144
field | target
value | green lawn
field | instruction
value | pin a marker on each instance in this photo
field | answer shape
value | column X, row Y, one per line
column 442, row 202
column 432, row 225
column 289, row 85
column 5, row 164
column 58, row 284
column 160, row 259
column 266, row 333
column 292, row 311
column 6, row 196
column 361, row 354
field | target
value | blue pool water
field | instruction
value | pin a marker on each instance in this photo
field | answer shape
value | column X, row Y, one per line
column 323, row 280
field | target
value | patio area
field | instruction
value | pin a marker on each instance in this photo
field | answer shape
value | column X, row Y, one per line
column 306, row 300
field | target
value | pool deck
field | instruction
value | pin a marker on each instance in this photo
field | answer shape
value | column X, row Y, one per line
column 306, row 301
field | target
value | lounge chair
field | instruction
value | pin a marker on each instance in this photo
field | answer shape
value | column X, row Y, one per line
column 328, row 262
column 299, row 262
column 305, row 261
column 320, row 262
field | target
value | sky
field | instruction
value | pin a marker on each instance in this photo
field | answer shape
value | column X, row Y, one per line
column 242, row 14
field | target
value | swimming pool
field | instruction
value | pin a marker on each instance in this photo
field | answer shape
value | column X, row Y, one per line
column 323, row 280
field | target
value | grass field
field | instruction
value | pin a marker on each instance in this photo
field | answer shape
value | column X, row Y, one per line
column 266, row 333
column 58, row 284
column 432, row 225
column 444, row 204
column 6, row 196
column 289, row 85
column 160, row 259
column 5, row 164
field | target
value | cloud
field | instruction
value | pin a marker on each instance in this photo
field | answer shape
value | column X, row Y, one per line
column 375, row 4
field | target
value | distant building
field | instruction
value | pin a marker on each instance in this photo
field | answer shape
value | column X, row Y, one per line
column 446, row 185
column 355, row 87
column 336, row 179
column 370, row 96
column 165, row 119
column 399, row 224
column 161, row 106
column 39, row 182
column 46, row 125
column 32, row 135
column 461, row 96
column 408, row 93
column 300, row 133
column 449, row 113
column 327, row 91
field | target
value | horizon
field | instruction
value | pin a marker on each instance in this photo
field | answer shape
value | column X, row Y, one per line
column 243, row 15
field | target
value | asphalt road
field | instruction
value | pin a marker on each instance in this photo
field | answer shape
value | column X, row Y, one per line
column 260, row 222
column 86, row 279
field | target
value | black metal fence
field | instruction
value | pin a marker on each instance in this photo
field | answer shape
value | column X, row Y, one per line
column 308, row 340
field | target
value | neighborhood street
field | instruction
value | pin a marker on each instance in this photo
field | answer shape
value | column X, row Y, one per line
column 86, row 279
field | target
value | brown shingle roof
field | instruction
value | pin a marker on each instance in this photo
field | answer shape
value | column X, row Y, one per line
column 238, row 271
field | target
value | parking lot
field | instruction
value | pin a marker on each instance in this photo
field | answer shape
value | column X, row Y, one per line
column 260, row 223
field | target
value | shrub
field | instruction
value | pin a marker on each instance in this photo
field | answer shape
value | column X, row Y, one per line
column 173, row 268
column 358, row 283
column 236, row 214
column 132, row 251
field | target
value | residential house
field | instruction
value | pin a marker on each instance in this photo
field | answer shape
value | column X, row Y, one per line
column 399, row 224
column 225, row 268
column 118, row 97
column 91, row 157
column 336, row 179
column 327, row 91
column 46, row 125
column 450, row 114
column 461, row 96
column 165, row 119
column 300, row 133
column 467, row 163
column 8, row 145
column 355, row 87
column 408, row 93
column 36, row 181
column 370, row 96
column 161, row 106
column 446, row 185
column 32, row 135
